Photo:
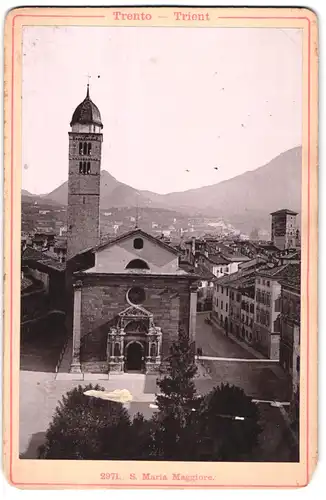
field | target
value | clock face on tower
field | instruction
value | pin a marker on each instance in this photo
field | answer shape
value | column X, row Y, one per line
column 136, row 295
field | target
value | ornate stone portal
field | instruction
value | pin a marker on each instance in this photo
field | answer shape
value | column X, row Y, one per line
column 135, row 325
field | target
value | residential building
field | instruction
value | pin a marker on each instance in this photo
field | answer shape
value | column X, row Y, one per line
column 266, row 336
column 247, row 313
column 290, row 324
column 221, row 303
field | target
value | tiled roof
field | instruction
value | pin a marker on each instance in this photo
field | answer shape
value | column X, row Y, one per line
column 273, row 272
column 217, row 259
column 30, row 254
column 241, row 275
column 199, row 271
column 291, row 277
column 26, row 283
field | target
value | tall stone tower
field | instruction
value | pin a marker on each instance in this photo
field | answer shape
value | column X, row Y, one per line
column 85, row 146
column 284, row 229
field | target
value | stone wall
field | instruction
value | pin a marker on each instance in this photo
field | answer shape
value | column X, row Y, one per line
column 104, row 298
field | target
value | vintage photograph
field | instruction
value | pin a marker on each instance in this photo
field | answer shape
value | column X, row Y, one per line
column 161, row 233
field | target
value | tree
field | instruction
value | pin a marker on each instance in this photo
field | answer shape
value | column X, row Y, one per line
column 142, row 432
column 224, row 437
column 173, row 437
column 87, row 428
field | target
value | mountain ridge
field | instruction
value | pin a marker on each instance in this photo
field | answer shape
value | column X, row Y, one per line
column 245, row 200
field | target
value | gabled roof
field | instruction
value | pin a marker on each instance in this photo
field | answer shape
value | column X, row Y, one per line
column 135, row 232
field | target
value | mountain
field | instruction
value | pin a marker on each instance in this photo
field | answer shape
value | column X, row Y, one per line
column 245, row 201
column 113, row 193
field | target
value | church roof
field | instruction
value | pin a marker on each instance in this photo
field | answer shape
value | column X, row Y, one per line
column 136, row 232
column 87, row 113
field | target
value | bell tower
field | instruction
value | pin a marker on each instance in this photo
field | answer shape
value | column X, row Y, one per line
column 85, row 147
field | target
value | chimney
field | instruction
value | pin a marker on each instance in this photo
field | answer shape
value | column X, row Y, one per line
column 193, row 245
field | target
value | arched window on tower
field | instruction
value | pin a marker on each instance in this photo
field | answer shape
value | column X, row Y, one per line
column 89, row 148
column 84, row 167
column 80, row 148
column 80, row 167
column 88, row 167
column 137, row 264
column 85, row 148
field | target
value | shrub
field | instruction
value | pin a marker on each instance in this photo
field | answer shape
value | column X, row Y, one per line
column 87, row 428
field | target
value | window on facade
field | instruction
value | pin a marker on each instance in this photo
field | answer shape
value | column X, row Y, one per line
column 216, row 302
column 88, row 168
column 80, row 167
column 85, row 148
column 136, row 295
column 268, row 299
column 221, row 289
column 89, row 148
column 137, row 264
column 268, row 283
column 267, row 318
column 80, row 148
column 252, row 308
column 227, row 292
column 138, row 243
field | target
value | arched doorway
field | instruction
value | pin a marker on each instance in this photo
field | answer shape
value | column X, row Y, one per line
column 134, row 357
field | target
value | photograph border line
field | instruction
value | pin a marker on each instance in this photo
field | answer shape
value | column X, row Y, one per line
column 11, row 232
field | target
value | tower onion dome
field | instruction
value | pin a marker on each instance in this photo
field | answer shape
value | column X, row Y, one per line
column 86, row 113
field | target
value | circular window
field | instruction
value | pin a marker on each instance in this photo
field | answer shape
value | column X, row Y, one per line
column 138, row 243
column 136, row 295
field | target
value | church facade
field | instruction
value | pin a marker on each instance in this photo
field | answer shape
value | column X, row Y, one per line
column 132, row 299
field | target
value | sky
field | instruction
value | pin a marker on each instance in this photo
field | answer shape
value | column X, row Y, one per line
column 175, row 102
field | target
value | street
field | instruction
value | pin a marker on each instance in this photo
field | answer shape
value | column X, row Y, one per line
column 261, row 380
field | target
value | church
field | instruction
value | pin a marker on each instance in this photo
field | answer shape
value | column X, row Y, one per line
column 129, row 296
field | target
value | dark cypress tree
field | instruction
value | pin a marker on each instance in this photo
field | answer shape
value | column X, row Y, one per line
column 174, row 437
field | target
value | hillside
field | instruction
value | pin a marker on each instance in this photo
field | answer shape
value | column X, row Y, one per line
column 113, row 193
column 245, row 201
